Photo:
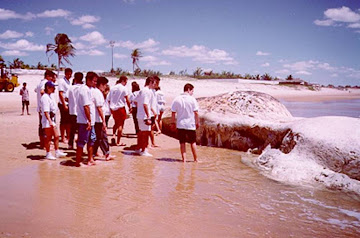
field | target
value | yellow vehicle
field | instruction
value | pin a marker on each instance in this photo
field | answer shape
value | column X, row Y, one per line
column 8, row 82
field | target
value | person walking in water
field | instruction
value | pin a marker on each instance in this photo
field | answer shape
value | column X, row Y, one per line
column 184, row 110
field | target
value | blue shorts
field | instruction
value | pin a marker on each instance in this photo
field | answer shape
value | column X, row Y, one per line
column 86, row 136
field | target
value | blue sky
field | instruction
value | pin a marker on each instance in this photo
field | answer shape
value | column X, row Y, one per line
column 318, row 41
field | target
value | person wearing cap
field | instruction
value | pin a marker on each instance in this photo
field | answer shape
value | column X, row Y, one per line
column 40, row 90
column 64, row 84
column 85, row 108
column 48, row 111
column 24, row 92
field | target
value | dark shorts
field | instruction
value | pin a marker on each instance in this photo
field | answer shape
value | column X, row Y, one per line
column 64, row 115
column 85, row 136
column 152, row 121
column 25, row 103
column 188, row 136
column 119, row 114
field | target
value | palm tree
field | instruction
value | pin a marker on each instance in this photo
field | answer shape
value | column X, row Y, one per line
column 16, row 64
column 135, row 56
column 63, row 48
column 2, row 61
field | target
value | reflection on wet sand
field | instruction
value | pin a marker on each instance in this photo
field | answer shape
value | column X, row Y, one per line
column 161, row 197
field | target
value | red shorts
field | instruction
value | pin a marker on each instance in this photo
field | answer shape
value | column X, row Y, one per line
column 119, row 114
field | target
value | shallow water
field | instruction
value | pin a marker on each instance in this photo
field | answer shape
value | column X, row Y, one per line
column 349, row 108
column 162, row 197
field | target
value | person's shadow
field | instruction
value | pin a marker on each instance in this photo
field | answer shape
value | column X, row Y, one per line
column 31, row 145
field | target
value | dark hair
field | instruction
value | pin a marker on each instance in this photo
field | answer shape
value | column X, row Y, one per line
column 157, row 88
column 188, row 86
column 78, row 77
column 68, row 70
column 101, row 80
column 135, row 87
column 49, row 73
column 149, row 80
column 123, row 78
column 156, row 78
column 24, row 83
column 90, row 76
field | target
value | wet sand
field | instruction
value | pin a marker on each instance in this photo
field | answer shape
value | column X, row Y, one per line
column 133, row 196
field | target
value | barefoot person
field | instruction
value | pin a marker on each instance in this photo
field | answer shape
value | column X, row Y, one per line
column 48, row 110
column 86, row 119
column 24, row 92
column 118, row 99
column 135, row 89
column 71, row 96
column 100, row 122
column 144, row 100
column 185, row 108
column 65, row 123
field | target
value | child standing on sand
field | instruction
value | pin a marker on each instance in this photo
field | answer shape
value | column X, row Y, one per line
column 24, row 92
column 185, row 107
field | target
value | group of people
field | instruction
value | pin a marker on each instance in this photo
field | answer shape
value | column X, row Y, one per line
column 85, row 108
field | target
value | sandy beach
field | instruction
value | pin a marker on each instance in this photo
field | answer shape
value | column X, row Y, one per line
column 133, row 196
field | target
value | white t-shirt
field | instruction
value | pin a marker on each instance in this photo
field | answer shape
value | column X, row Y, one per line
column 145, row 96
column 132, row 98
column 117, row 96
column 154, row 103
column 72, row 94
column 85, row 98
column 39, row 87
column 160, row 100
column 99, row 102
column 185, row 105
column 64, row 85
column 47, row 105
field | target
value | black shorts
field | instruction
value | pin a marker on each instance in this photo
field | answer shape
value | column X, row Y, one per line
column 25, row 103
column 64, row 115
column 152, row 121
column 188, row 136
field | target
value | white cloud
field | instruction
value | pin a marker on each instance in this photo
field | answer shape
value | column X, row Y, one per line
column 49, row 30
column 121, row 56
column 303, row 72
column 327, row 22
column 148, row 45
column 354, row 25
column 343, row 14
column 265, row 64
column 154, row 61
column 95, row 38
column 10, row 34
column 201, row 54
column 92, row 52
column 54, row 13
column 29, row 34
column 334, row 75
column 22, row 45
column 14, row 53
column 9, row 14
column 301, row 65
column 85, row 21
column 325, row 66
column 129, row 1
column 260, row 53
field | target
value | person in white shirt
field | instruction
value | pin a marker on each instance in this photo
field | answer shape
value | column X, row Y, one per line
column 144, row 102
column 185, row 108
column 85, row 108
column 118, row 99
column 71, row 95
column 24, row 92
column 64, row 84
column 161, row 107
column 135, row 89
column 100, row 122
column 40, row 90
column 154, row 112
column 106, row 107
column 48, row 111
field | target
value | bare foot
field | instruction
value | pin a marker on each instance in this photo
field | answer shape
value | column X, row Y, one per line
column 110, row 157
column 91, row 163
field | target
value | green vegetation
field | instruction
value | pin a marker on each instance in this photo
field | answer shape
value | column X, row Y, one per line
column 135, row 56
column 62, row 47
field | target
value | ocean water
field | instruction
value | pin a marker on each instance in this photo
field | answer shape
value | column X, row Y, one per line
column 348, row 108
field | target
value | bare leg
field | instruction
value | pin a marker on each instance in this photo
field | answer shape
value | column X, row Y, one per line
column 183, row 151
column 121, row 125
column 47, row 139
column 22, row 110
column 79, row 151
column 56, row 138
column 27, row 109
column 193, row 149
column 90, row 155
